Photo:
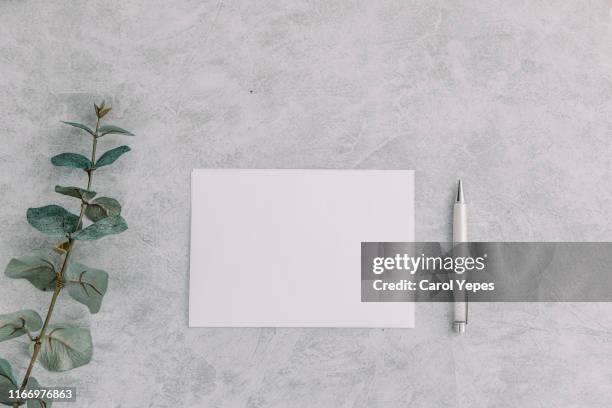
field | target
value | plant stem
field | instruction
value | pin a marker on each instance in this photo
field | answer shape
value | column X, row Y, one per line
column 60, row 276
column 56, row 292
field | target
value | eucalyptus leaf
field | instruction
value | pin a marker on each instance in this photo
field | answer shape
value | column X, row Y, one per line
column 110, row 156
column 106, row 226
column 52, row 220
column 78, row 161
column 110, row 130
column 65, row 347
column 102, row 110
column 80, row 126
column 86, row 285
column 7, row 382
column 102, row 207
column 33, row 384
column 19, row 323
column 40, row 269
column 76, row 192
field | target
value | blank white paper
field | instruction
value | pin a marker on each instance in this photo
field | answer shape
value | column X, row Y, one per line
column 281, row 248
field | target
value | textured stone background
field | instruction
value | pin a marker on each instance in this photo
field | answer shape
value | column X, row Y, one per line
column 512, row 96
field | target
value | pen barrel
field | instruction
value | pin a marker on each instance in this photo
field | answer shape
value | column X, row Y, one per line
column 460, row 235
column 460, row 232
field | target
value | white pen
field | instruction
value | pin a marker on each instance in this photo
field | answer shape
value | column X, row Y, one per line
column 460, row 234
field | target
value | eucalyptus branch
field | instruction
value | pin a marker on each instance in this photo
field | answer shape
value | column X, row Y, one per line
column 72, row 347
column 60, row 276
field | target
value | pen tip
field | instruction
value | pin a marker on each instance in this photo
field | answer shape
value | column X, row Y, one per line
column 460, row 198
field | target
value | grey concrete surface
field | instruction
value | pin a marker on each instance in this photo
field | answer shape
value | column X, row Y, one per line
column 512, row 96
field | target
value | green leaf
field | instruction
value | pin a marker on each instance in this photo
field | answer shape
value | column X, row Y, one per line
column 76, row 192
column 7, row 382
column 110, row 156
column 106, row 226
column 86, row 285
column 110, row 130
column 78, row 161
column 102, row 207
column 19, row 323
column 40, row 269
column 65, row 347
column 52, row 220
column 33, row 384
column 80, row 126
